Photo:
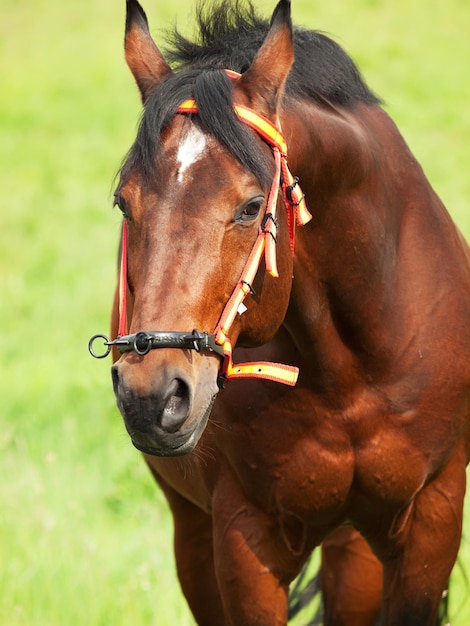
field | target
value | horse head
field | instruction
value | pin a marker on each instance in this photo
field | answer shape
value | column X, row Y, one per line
column 193, row 192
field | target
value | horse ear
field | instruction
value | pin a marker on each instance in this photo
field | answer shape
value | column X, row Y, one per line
column 264, row 80
column 144, row 59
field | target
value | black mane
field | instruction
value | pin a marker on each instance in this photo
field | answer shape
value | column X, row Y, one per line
column 230, row 34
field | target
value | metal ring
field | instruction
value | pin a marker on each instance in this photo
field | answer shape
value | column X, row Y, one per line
column 196, row 338
column 142, row 336
column 106, row 343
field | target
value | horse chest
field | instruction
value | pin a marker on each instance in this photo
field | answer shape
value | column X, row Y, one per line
column 315, row 464
column 301, row 476
column 389, row 468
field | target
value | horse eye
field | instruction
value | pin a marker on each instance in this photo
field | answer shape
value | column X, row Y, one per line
column 251, row 210
column 122, row 205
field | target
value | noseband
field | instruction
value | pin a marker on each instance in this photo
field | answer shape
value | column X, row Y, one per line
column 144, row 341
column 219, row 341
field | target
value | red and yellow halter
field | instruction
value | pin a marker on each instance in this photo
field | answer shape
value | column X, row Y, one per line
column 265, row 244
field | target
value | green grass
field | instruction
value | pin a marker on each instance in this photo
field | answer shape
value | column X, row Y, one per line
column 85, row 537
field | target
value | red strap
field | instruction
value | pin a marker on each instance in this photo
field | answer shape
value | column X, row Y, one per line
column 122, row 330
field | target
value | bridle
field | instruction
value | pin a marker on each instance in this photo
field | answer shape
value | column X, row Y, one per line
column 219, row 341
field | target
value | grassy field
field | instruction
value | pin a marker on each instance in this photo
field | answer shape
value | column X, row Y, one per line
column 85, row 538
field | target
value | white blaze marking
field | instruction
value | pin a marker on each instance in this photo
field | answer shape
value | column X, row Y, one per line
column 190, row 150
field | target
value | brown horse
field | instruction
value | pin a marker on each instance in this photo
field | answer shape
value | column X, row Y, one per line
column 370, row 300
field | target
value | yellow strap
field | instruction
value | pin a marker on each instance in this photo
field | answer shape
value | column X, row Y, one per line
column 276, row 372
column 262, row 125
column 270, row 229
column 297, row 200
column 188, row 106
column 241, row 290
column 256, row 121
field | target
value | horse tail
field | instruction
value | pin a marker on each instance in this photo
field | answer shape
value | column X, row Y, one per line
column 443, row 618
column 443, row 615
column 305, row 596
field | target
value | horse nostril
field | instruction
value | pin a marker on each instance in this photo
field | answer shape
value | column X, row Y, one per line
column 176, row 408
column 115, row 377
column 165, row 405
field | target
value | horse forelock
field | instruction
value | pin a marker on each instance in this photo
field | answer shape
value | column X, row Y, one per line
column 212, row 90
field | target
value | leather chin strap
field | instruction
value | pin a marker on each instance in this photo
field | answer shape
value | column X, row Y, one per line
column 265, row 244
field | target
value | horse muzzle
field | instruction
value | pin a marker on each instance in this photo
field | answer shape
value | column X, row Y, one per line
column 165, row 411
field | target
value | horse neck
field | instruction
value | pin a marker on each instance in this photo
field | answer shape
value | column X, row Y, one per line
column 359, row 178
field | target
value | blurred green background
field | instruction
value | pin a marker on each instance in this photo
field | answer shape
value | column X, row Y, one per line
column 85, row 537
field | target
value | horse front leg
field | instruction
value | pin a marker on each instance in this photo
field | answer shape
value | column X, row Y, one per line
column 424, row 549
column 351, row 580
column 193, row 547
column 254, row 565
